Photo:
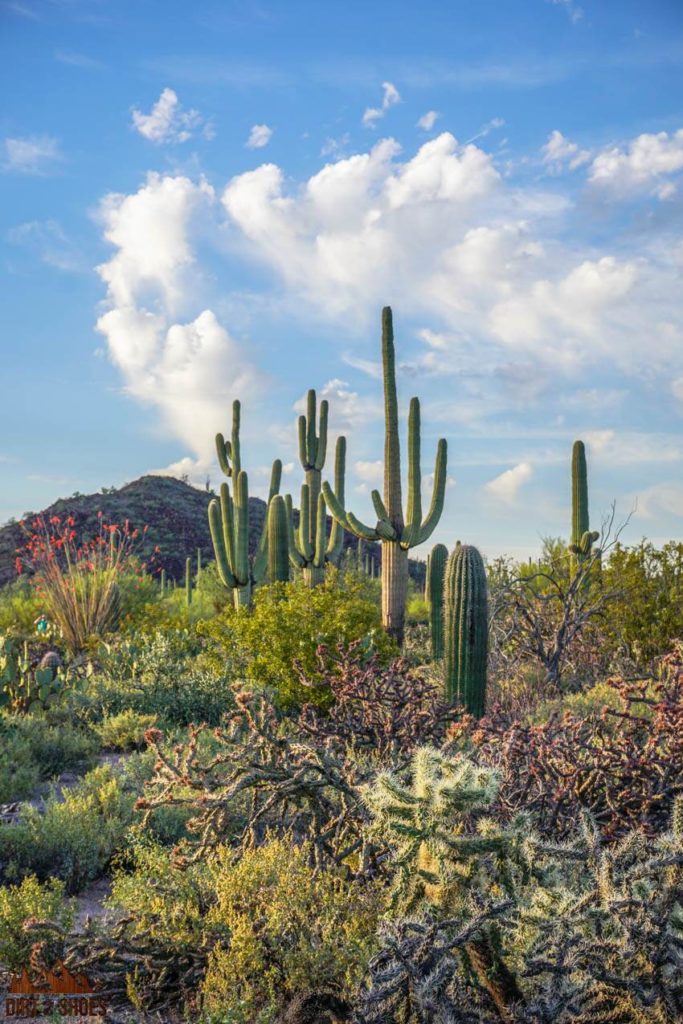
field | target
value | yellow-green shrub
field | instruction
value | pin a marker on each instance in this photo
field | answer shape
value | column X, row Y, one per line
column 291, row 930
column 18, row 903
column 287, row 624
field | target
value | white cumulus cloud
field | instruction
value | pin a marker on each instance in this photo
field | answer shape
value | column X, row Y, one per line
column 259, row 136
column 189, row 368
column 506, row 487
column 559, row 153
column 168, row 122
column 640, row 165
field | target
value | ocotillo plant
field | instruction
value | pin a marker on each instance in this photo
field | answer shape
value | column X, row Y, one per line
column 188, row 582
column 229, row 520
column 466, row 634
column 396, row 533
column 278, row 540
column 582, row 538
column 304, row 553
column 436, row 566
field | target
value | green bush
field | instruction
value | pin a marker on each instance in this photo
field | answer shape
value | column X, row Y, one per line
column 157, row 675
column 18, row 903
column 286, row 625
column 125, row 730
column 291, row 930
column 74, row 838
column 32, row 750
column 20, row 606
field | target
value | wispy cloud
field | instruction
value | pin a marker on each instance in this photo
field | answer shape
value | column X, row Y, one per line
column 486, row 129
column 47, row 242
column 79, row 60
column 259, row 136
column 390, row 98
column 31, row 154
column 573, row 11
column 506, row 487
column 168, row 122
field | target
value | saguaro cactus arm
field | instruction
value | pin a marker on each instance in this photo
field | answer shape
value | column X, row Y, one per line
column 261, row 557
column 229, row 451
column 334, row 547
column 436, row 507
column 221, row 537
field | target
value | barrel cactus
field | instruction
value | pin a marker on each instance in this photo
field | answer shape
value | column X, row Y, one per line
column 466, row 633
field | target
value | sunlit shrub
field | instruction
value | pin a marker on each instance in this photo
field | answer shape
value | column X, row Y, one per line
column 20, row 903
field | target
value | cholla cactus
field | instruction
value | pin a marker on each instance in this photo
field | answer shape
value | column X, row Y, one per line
column 229, row 520
column 397, row 533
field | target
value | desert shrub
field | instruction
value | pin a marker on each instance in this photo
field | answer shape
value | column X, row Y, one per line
column 287, row 624
column 73, row 838
column 291, row 931
column 417, row 610
column 19, row 772
column 384, row 711
column 624, row 765
column 20, row 606
column 158, row 675
column 125, row 730
column 32, row 750
column 20, row 903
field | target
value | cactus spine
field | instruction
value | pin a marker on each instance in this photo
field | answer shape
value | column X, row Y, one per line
column 229, row 520
column 188, row 582
column 436, row 566
column 396, row 534
column 466, row 640
column 582, row 538
column 304, row 552
column 279, row 522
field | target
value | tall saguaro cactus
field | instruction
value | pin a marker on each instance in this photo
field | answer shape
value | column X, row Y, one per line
column 466, row 614
column 305, row 552
column 229, row 520
column 396, row 533
column 436, row 567
column 582, row 538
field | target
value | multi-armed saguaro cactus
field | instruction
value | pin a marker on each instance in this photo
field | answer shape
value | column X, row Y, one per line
column 436, row 567
column 229, row 520
column 397, row 534
column 466, row 614
column 278, row 540
column 583, row 537
column 309, row 548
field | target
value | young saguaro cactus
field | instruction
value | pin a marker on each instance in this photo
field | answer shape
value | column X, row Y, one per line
column 583, row 537
column 397, row 533
column 188, row 582
column 229, row 520
column 304, row 553
column 278, row 540
column 436, row 567
column 466, row 639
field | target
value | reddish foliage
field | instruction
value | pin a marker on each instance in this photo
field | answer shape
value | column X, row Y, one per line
column 624, row 765
column 387, row 709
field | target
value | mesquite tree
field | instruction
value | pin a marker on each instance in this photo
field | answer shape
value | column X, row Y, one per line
column 396, row 532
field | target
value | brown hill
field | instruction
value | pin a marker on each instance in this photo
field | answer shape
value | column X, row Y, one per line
column 174, row 512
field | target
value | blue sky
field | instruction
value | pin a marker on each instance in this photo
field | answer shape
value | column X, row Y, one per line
column 214, row 200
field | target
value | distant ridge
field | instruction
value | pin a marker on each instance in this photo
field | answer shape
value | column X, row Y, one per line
column 175, row 513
